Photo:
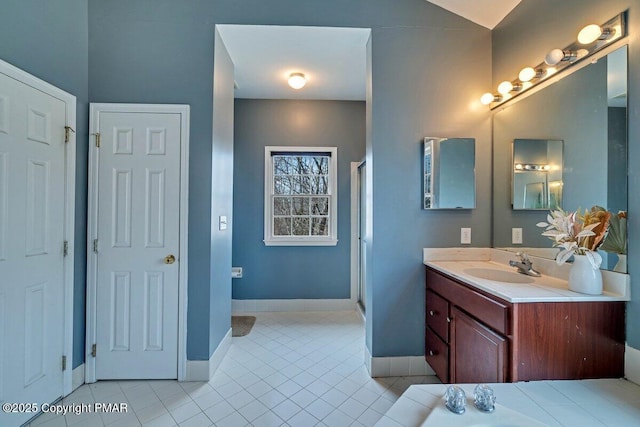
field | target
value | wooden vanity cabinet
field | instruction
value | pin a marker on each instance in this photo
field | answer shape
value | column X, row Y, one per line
column 478, row 354
column 474, row 337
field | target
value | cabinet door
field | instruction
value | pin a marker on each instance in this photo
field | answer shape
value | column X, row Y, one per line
column 437, row 355
column 478, row 355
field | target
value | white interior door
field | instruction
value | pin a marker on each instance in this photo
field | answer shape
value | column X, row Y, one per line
column 138, row 228
column 32, row 213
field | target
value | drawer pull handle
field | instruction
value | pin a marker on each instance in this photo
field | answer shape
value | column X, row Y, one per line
column 432, row 313
column 432, row 353
column 448, row 319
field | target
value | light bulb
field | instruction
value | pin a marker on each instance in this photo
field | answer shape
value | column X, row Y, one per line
column 589, row 34
column 487, row 98
column 526, row 74
column 519, row 166
column 554, row 57
column 297, row 80
column 505, row 87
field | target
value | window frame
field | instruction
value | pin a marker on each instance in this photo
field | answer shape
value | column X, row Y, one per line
column 331, row 239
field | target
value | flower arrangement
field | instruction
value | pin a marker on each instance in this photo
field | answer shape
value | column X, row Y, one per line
column 616, row 239
column 577, row 233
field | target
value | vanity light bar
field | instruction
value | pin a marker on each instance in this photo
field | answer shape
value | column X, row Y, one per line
column 591, row 39
column 531, row 167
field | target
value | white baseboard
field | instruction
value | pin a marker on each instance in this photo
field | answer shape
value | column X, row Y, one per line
column 262, row 305
column 632, row 364
column 203, row 370
column 402, row 366
column 77, row 377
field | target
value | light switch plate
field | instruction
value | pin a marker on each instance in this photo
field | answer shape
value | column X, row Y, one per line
column 516, row 236
column 465, row 236
column 236, row 272
column 222, row 222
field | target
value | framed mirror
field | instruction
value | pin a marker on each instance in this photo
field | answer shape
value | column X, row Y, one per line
column 537, row 174
column 584, row 114
column 449, row 178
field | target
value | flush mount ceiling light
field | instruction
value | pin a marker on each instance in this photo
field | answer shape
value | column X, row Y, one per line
column 297, row 80
column 591, row 39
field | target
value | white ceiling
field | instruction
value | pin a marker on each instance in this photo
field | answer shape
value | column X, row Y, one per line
column 333, row 59
column 487, row 13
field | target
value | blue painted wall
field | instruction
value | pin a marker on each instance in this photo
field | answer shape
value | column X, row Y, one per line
column 162, row 51
column 419, row 89
column 50, row 40
column 221, row 197
column 289, row 272
column 428, row 68
column 526, row 35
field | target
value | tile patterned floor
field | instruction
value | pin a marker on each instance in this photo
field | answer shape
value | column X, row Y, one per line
column 293, row 369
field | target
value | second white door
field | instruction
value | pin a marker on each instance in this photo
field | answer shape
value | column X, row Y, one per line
column 138, row 244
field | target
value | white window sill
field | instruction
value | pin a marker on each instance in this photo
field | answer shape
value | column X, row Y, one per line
column 300, row 242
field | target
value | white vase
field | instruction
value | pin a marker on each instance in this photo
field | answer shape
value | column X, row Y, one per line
column 583, row 277
column 621, row 265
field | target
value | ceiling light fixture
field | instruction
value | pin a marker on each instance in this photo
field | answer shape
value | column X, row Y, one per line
column 591, row 39
column 297, row 80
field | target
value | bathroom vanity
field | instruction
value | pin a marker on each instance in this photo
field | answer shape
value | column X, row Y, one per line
column 517, row 328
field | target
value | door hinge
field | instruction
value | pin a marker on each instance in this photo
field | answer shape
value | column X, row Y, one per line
column 95, row 245
column 64, row 363
column 93, row 350
column 65, row 248
column 97, row 135
column 67, row 129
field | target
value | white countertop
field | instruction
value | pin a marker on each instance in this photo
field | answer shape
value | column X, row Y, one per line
column 458, row 263
column 541, row 289
column 602, row 402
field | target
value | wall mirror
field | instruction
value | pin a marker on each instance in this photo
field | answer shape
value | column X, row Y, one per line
column 449, row 178
column 584, row 116
column 537, row 174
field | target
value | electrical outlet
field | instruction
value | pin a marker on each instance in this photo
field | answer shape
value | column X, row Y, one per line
column 236, row 272
column 222, row 222
column 465, row 236
column 516, row 236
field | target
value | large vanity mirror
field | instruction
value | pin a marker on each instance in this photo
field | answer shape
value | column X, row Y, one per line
column 580, row 124
column 449, row 178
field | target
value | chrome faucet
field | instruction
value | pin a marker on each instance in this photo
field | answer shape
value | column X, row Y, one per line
column 524, row 265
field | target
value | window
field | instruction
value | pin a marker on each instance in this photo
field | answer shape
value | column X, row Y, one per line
column 300, row 196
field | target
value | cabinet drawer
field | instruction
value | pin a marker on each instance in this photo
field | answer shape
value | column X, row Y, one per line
column 437, row 355
column 491, row 312
column 438, row 315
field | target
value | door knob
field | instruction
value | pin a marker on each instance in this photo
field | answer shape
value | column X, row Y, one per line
column 169, row 259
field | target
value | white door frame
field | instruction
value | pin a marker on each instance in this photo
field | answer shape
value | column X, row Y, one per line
column 355, row 226
column 92, row 226
column 69, row 205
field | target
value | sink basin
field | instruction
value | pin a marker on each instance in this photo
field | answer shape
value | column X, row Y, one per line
column 498, row 275
column 472, row 417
